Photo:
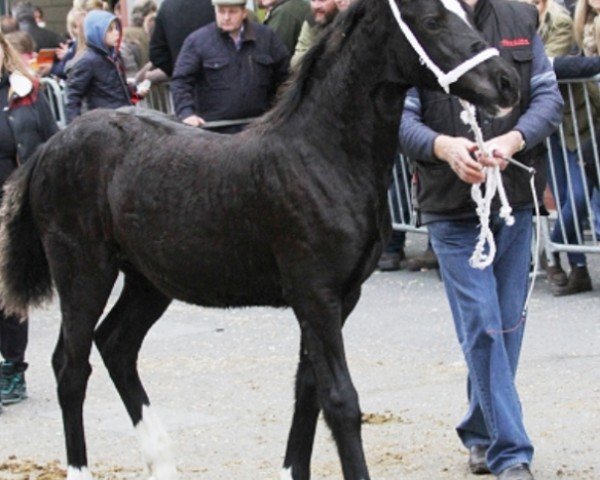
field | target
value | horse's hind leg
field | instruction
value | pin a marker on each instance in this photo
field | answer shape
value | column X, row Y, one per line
column 84, row 281
column 119, row 339
column 306, row 410
column 320, row 317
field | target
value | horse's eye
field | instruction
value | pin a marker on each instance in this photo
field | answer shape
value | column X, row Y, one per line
column 431, row 23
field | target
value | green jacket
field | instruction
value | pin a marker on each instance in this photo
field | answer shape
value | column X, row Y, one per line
column 558, row 37
column 286, row 18
column 308, row 36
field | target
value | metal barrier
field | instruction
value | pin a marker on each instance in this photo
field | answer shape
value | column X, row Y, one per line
column 159, row 98
column 572, row 194
column 56, row 98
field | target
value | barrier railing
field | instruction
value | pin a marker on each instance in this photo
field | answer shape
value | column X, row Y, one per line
column 56, row 98
column 573, row 196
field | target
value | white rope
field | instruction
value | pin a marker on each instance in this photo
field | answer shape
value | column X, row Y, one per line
column 444, row 79
column 493, row 185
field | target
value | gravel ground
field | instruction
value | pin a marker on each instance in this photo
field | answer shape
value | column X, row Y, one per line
column 222, row 382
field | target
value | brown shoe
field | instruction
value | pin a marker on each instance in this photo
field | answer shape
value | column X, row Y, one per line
column 426, row 261
column 556, row 275
column 579, row 281
column 477, row 462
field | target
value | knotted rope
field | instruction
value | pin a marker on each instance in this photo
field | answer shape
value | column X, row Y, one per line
column 493, row 185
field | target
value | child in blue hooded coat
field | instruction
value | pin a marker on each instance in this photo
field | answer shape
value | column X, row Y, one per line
column 98, row 76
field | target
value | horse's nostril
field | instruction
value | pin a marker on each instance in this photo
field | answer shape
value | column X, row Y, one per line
column 506, row 84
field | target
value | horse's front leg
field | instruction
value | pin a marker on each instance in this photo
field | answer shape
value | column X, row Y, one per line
column 321, row 317
column 306, row 409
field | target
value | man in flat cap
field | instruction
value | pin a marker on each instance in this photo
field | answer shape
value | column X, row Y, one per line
column 228, row 69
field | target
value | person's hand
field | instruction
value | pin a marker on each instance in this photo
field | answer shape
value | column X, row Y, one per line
column 194, row 121
column 62, row 50
column 503, row 146
column 143, row 88
column 457, row 151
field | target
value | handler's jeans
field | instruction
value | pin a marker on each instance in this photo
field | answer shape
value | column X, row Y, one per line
column 487, row 309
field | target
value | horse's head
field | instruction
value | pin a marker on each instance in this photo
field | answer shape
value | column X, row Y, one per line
column 449, row 41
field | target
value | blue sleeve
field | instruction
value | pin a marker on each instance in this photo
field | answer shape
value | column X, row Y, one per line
column 416, row 138
column 187, row 67
column 544, row 113
column 576, row 66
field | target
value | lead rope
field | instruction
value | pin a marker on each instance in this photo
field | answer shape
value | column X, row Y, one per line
column 494, row 184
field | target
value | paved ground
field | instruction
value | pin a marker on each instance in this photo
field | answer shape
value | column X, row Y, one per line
column 222, row 381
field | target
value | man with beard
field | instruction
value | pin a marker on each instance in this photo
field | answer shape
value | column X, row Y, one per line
column 323, row 12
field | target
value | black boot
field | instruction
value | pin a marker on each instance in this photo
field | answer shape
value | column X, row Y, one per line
column 579, row 281
column 391, row 261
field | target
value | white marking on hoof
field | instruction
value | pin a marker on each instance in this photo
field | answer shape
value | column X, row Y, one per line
column 156, row 446
column 82, row 473
column 286, row 474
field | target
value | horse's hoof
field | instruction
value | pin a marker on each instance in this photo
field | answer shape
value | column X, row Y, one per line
column 82, row 473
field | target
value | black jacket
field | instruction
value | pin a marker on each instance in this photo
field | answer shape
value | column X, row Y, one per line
column 42, row 37
column 30, row 120
column 98, row 79
column 175, row 20
column 215, row 81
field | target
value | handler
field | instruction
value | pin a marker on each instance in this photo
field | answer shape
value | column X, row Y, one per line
column 229, row 69
column 487, row 305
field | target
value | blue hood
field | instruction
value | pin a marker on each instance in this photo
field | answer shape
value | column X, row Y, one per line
column 95, row 27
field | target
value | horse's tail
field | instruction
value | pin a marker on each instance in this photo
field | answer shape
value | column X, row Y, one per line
column 24, row 273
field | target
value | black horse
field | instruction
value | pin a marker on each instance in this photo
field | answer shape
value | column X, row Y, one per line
column 291, row 212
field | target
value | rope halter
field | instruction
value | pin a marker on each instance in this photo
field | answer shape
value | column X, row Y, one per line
column 444, row 79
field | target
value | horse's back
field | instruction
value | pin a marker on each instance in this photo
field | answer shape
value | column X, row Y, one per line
column 172, row 201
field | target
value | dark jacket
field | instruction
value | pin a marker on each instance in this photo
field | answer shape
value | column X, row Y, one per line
column 511, row 28
column 175, row 20
column 214, row 80
column 29, row 119
column 42, row 37
column 98, row 76
column 286, row 18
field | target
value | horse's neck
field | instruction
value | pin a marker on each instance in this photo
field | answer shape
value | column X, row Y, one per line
column 355, row 103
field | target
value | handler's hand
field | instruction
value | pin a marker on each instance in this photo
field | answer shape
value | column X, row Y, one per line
column 194, row 121
column 457, row 152
column 504, row 146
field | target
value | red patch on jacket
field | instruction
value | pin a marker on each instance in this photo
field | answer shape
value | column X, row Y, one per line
column 515, row 42
column 29, row 99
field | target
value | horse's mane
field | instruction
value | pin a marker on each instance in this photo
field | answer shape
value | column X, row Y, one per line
column 315, row 62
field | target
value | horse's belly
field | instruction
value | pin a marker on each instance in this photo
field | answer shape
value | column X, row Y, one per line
column 212, row 277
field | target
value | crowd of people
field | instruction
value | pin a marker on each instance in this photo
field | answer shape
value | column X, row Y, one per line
column 224, row 64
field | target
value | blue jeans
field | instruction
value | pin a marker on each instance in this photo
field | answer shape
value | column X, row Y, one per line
column 487, row 306
column 569, row 210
